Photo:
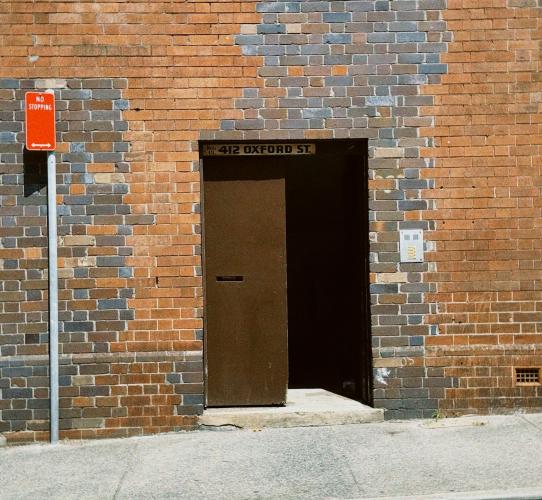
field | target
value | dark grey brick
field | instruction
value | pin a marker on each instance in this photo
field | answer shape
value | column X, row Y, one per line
column 121, row 104
column 110, row 261
column 315, row 6
column 338, row 38
column 9, row 83
column 252, row 124
column 7, row 137
column 403, row 26
column 317, row 113
column 433, row 68
column 112, row 304
column 78, row 326
column 337, row 17
column 72, row 94
column 249, row 39
column 271, row 28
column 193, row 399
column 294, row 60
column 381, row 37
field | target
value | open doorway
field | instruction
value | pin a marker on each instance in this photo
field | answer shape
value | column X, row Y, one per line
column 322, row 340
column 327, row 237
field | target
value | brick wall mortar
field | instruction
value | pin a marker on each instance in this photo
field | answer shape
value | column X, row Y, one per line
column 355, row 70
column 485, row 262
column 96, row 278
column 200, row 83
column 190, row 71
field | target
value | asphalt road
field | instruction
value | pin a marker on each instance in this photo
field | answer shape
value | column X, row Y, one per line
column 491, row 457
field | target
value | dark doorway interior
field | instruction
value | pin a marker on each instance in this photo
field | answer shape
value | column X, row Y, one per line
column 327, row 238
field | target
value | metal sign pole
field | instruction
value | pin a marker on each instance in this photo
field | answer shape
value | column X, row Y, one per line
column 40, row 135
column 53, row 293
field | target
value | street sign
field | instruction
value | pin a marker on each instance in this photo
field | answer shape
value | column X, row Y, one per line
column 40, row 121
column 40, row 134
column 258, row 149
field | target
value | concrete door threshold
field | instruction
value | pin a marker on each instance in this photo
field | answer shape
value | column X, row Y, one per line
column 304, row 408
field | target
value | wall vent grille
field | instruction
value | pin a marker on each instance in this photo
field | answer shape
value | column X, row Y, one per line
column 527, row 376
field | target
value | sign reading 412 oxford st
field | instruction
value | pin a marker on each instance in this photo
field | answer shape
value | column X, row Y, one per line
column 258, row 149
column 40, row 121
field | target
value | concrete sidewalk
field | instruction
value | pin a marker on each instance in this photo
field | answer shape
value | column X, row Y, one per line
column 486, row 457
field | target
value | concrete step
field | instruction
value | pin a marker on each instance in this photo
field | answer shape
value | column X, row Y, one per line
column 304, row 408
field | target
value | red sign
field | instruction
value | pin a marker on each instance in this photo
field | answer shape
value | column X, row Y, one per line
column 40, row 121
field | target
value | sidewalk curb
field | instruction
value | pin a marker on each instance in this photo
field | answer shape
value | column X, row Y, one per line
column 514, row 494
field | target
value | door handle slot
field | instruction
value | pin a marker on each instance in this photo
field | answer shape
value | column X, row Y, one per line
column 230, row 278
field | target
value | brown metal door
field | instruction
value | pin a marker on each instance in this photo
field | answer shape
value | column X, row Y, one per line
column 245, row 281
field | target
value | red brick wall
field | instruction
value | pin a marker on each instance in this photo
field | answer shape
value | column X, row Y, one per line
column 183, row 72
column 487, row 258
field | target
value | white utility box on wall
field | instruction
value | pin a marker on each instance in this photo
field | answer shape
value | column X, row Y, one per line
column 411, row 245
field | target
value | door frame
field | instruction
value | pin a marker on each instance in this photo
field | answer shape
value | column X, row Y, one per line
column 362, row 149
